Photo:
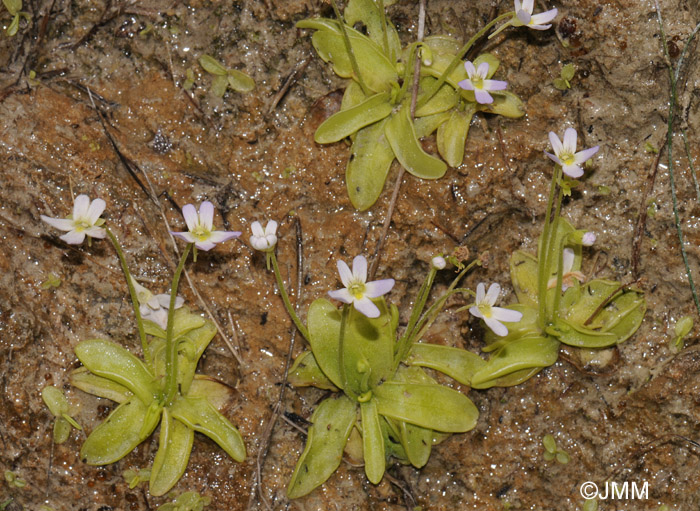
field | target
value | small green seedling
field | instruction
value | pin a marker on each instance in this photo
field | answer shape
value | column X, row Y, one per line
column 136, row 477
column 565, row 76
column 590, row 505
column 551, row 451
column 648, row 147
column 680, row 331
column 58, row 405
column 14, row 7
column 52, row 281
column 189, row 79
column 13, row 480
column 225, row 78
column 188, row 501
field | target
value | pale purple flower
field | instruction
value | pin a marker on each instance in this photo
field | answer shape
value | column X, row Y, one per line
column 524, row 17
column 200, row 224
column 263, row 240
column 565, row 153
column 478, row 83
column 438, row 262
column 588, row 239
column 155, row 307
column 569, row 277
column 85, row 221
column 357, row 290
column 492, row 316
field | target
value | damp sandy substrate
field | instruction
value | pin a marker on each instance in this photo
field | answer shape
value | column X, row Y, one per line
column 625, row 420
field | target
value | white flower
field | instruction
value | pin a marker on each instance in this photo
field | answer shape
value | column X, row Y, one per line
column 588, row 239
column 263, row 240
column 479, row 84
column 568, row 277
column 357, row 291
column 524, row 17
column 492, row 316
column 438, row 262
column 200, row 224
column 154, row 307
column 85, row 221
column 565, row 153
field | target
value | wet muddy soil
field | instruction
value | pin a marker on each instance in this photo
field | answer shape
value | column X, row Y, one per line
column 92, row 100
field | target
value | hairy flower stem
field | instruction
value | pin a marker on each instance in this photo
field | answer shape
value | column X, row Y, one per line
column 170, row 345
column 285, row 297
column 460, row 55
column 132, row 294
column 543, row 256
column 348, row 48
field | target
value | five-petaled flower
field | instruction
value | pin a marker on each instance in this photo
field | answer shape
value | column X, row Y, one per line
column 565, row 153
column 569, row 277
column 524, row 17
column 199, row 225
column 155, row 307
column 85, row 221
column 263, row 240
column 479, row 84
column 357, row 291
column 492, row 316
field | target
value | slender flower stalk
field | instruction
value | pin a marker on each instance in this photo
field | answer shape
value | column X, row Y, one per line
column 171, row 369
column 285, row 297
column 132, row 294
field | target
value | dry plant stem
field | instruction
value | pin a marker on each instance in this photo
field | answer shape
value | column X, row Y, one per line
column 692, row 167
column 605, row 302
column 276, row 411
column 399, row 178
column 642, row 218
column 673, row 77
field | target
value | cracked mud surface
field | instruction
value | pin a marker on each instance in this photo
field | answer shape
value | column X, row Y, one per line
column 624, row 421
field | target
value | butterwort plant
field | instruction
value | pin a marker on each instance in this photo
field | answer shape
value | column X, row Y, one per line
column 163, row 387
column 556, row 302
column 376, row 112
column 383, row 403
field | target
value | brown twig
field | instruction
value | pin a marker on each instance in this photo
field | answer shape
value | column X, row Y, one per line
column 642, row 218
column 132, row 168
column 277, row 409
column 290, row 80
column 608, row 300
column 402, row 171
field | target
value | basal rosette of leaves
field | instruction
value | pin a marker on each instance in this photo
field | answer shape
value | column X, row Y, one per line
column 110, row 371
column 375, row 110
column 599, row 313
column 383, row 407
